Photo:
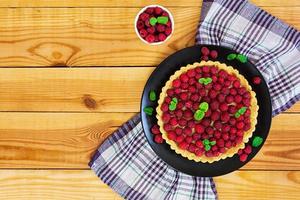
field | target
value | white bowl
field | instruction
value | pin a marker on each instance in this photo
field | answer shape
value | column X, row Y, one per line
column 137, row 17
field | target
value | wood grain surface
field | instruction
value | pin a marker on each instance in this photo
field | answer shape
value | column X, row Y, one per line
column 83, row 185
column 130, row 3
column 94, row 36
column 75, row 89
column 67, row 140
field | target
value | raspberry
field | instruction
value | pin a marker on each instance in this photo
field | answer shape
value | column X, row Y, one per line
column 167, row 127
column 213, row 70
column 196, row 106
column 240, row 152
column 183, row 145
column 192, row 148
column 229, row 99
column 208, row 113
column 172, row 135
column 179, row 105
column 168, row 31
column 179, row 138
column 151, row 30
column 206, row 122
column 176, row 83
column 140, row 25
column 217, row 87
column 205, row 58
column 225, row 117
column 221, row 80
column 192, row 81
column 165, row 14
column 214, row 78
column 227, row 83
column 221, row 98
column 225, row 91
column 256, row 80
column 223, row 73
column 213, row 54
column 150, row 10
column 199, row 128
column 188, row 114
column 196, row 136
column 160, row 28
column 225, row 136
column 143, row 33
column 215, row 116
column 214, row 148
column 162, row 37
column 218, row 125
column 212, row 94
column 242, row 90
column 169, row 24
column 189, row 104
column 214, row 105
column 222, row 150
column 147, row 23
column 209, row 130
column 173, row 121
column 248, row 149
column 191, row 124
column 182, row 122
column 238, row 98
column 209, row 154
column 205, row 51
column 228, row 144
column 240, row 133
column 199, row 144
column 189, row 139
column 205, row 136
column 233, row 91
column 247, row 95
column 199, row 152
column 247, row 127
column 178, row 131
column 150, row 38
column 195, row 97
column 166, row 117
column 177, row 90
column 220, row 143
column 184, row 96
column 155, row 129
column 191, row 73
column 231, row 109
column 246, row 102
column 239, row 140
column 236, row 84
column 158, row 10
column 232, row 131
column 243, row 157
column 184, row 78
column 225, row 128
column 202, row 92
column 164, row 107
column 144, row 17
column 232, row 121
column 187, row 131
column 192, row 89
column 240, row 125
column 168, row 100
column 223, row 107
column 158, row 139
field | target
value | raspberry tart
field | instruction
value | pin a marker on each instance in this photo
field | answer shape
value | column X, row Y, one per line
column 207, row 111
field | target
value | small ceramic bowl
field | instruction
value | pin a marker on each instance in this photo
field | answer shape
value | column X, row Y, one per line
column 170, row 18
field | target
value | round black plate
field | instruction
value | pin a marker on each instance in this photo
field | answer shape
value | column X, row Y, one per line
column 158, row 79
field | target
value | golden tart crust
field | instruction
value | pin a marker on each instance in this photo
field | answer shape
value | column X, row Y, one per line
column 231, row 151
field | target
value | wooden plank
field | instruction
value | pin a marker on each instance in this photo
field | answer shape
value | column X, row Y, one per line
column 84, row 184
column 128, row 3
column 94, row 36
column 67, row 140
column 75, row 89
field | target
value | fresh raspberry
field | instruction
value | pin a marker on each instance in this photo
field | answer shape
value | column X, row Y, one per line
column 150, row 38
column 231, row 78
column 182, row 122
column 202, row 92
column 140, row 25
column 177, row 90
column 170, row 92
column 155, row 129
column 179, row 138
column 168, row 100
column 240, row 133
column 209, row 130
column 178, row 131
column 242, row 90
column 173, row 121
column 232, row 131
column 169, row 24
column 147, row 23
column 199, row 144
column 149, row 10
column 206, row 122
column 213, row 54
column 205, row 136
column 225, row 91
column 172, row 135
column 221, row 98
column 214, row 78
column 215, row 115
column 143, row 33
column 192, row 89
column 221, row 80
column 243, row 157
column 238, row 98
column 165, row 14
column 247, row 95
column 220, row 143
column 156, row 38
column 225, row 128
column 213, row 70
column 227, row 83
column 160, row 28
column 223, row 107
column 208, row 113
column 199, row 152
column 239, row 139
column 192, row 148
column 229, row 99
column 151, row 30
column 158, row 10
column 256, row 80
column 196, row 106
column 225, row 136
column 184, row 78
column 233, row 91
column 205, row 51
column 192, row 81
column 248, row 149
column 191, row 124
column 223, row 74
column 196, row 136
column 236, row 84
column 184, row 96
column 218, row 125
column 214, row 105
column 247, row 113
column 214, row 148
column 225, row 117
column 191, row 73
column 195, row 97
column 164, row 107
column 168, row 31
column 189, row 139
column 188, row 104
column 144, row 16
column 240, row 125
column 247, row 127
column 222, row 150
column 167, row 127
column 162, row 37
column 176, row 83
column 183, row 145
column 205, row 69
column 179, row 105
column 217, row 87
column 187, row 131
column 212, row 94
column 205, row 58
column 240, row 152
column 166, row 117
column 246, row 102
column 199, row 128
column 232, row 121
column 231, row 109
column 228, row 144
column 209, row 154
column 158, row 139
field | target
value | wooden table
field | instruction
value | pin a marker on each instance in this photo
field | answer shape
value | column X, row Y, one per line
column 56, row 107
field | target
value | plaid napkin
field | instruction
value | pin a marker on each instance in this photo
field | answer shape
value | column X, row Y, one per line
column 269, row 43
column 125, row 160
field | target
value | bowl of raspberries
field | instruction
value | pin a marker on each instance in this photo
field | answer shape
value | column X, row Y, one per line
column 154, row 24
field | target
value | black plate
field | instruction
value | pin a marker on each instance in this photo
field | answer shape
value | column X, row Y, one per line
column 158, row 79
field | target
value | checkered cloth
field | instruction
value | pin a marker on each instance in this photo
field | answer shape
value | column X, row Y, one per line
column 272, row 45
column 125, row 160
